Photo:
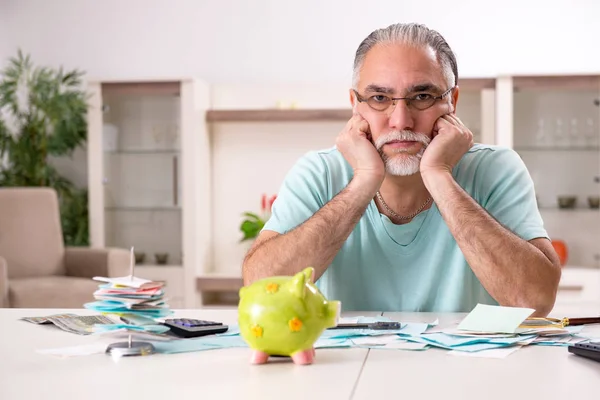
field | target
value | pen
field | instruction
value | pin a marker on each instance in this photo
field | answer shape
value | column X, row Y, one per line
column 374, row 325
column 580, row 321
column 537, row 322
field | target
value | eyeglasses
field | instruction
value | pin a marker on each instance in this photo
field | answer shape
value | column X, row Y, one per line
column 421, row 101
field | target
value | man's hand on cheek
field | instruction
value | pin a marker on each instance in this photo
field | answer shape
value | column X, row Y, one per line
column 451, row 140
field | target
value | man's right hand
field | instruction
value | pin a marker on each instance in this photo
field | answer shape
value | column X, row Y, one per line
column 355, row 144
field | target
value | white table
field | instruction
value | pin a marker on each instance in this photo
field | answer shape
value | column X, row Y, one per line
column 531, row 372
column 224, row 374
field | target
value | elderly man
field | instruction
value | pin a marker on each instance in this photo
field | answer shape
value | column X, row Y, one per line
column 406, row 213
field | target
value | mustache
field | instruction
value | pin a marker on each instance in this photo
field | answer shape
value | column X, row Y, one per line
column 402, row 136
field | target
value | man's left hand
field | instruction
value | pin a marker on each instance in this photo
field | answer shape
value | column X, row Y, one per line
column 451, row 140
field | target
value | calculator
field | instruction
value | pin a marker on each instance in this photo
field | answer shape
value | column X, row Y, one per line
column 189, row 328
column 588, row 350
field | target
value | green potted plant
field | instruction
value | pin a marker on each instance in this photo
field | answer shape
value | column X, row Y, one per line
column 253, row 223
column 42, row 114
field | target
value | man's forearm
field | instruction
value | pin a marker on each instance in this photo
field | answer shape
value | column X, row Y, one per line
column 512, row 270
column 313, row 243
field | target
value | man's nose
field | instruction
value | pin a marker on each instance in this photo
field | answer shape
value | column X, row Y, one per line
column 401, row 117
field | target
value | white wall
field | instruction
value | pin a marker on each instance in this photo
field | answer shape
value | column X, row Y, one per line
column 239, row 41
column 286, row 51
column 5, row 41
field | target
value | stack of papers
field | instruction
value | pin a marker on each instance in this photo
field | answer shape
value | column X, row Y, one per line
column 488, row 331
column 495, row 331
column 130, row 295
column 480, row 334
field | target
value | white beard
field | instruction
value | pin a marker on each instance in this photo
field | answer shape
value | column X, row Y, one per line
column 402, row 164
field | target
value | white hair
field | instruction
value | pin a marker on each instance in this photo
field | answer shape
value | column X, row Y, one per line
column 414, row 35
column 407, row 164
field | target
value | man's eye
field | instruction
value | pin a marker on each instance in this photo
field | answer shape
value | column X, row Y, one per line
column 379, row 98
column 422, row 97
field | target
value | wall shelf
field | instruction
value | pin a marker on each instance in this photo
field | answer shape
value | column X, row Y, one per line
column 137, row 88
column 541, row 148
column 219, row 283
column 565, row 82
column 143, row 208
column 143, row 151
column 219, row 290
column 575, row 209
column 316, row 114
column 281, row 115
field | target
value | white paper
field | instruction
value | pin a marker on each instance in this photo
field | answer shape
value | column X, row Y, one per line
column 124, row 281
column 347, row 320
column 577, row 340
column 457, row 332
column 564, row 339
column 495, row 319
column 502, row 352
column 543, row 331
column 73, row 351
column 376, row 340
column 527, row 341
column 404, row 346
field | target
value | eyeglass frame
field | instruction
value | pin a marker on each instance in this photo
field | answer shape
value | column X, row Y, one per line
column 394, row 100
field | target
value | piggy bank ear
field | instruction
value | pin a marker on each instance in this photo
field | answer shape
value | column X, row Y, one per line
column 309, row 274
column 298, row 284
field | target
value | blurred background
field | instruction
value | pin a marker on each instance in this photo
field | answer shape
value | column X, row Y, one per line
column 195, row 111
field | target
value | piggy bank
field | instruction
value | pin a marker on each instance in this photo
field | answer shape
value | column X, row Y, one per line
column 284, row 316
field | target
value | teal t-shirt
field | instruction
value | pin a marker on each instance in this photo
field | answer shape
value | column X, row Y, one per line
column 416, row 266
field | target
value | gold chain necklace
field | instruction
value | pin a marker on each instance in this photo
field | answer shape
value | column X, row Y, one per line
column 400, row 216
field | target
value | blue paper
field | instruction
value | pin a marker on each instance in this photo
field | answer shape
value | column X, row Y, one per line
column 332, row 343
column 414, row 328
column 451, row 340
column 467, row 348
column 115, row 307
column 101, row 328
column 468, row 344
column 213, row 343
column 233, row 329
column 199, row 344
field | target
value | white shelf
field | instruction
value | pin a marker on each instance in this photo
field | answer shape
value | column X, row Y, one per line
column 143, row 208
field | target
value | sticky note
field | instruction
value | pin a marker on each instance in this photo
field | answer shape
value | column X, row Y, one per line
column 495, row 319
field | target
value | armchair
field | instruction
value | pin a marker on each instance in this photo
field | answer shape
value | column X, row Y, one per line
column 36, row 269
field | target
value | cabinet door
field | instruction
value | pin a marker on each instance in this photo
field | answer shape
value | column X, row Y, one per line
column 556, row 131
column 141, row 171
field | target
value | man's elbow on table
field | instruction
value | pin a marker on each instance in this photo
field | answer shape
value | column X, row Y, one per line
column 542, row 298
column 542, row 305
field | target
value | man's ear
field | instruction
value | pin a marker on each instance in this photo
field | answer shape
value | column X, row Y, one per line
column 352, row 98
column 454, row 99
